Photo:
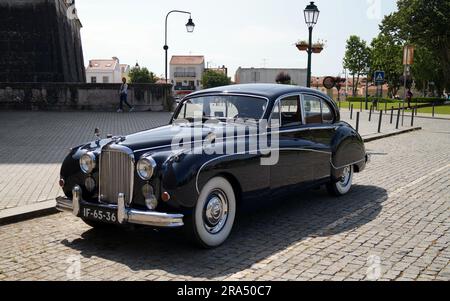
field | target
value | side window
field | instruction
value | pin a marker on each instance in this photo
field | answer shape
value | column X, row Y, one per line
column 313, row 109
column 327, row 115
column 290, row 111
column 317, row 111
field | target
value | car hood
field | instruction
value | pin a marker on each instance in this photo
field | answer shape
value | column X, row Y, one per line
column 166, row 136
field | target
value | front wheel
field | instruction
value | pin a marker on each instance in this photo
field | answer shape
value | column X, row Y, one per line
column 343, row 186
column 213, row 217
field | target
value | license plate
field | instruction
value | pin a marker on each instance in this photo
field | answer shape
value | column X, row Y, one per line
column 108, row 216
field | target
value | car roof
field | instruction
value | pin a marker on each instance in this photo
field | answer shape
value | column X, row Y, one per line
column 271, row 91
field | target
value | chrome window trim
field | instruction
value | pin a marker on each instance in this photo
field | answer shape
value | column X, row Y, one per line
column 322, row 100
column 277, row 103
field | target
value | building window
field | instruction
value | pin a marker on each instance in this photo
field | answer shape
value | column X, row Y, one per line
column 105, row 79
column 93, row 80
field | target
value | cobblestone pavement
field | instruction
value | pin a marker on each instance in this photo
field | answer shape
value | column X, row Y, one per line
column 393, row 225
column 33, row 145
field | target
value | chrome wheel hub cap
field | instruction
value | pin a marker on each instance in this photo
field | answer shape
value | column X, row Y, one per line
column 216, row 212
column 345, row 177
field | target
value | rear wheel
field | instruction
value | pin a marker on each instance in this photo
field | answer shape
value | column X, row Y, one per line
column 343, row 186
column 213, row 217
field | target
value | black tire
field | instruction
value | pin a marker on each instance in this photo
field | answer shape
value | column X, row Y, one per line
column 212, row 219
column 343, row 186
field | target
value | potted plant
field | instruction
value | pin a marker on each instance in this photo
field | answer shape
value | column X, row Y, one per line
column 302, row 45
column 318, row 46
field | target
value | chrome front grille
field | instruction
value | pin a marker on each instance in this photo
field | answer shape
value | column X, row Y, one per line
column 116, row 175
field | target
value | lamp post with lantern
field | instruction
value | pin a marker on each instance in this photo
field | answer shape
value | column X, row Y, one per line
column 311, row 13
column 189, row 27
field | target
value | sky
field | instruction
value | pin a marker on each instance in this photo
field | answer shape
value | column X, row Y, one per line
column 234, row 33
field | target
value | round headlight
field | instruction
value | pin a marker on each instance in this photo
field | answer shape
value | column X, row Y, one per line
column 146, row 168
column 87, row 163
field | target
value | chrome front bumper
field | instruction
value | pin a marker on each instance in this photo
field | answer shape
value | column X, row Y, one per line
column 124, row 215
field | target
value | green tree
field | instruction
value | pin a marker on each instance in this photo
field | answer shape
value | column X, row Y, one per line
column 424, row 23
column 211, row 79
column 386, row 55
column 140, row 75
column 356, row 60
column 426, row 68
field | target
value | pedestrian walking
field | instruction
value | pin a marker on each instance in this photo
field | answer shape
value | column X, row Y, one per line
column 409, row 97
column 123, row 93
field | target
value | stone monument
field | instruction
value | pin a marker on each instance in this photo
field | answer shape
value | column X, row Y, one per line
column 40, row 42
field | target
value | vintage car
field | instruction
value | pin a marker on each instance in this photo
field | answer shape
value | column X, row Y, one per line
column 180, row 175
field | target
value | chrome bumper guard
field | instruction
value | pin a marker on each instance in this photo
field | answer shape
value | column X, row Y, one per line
column 124, row 215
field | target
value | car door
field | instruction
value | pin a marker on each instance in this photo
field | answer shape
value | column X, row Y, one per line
column 294, row 165
column 319, row 118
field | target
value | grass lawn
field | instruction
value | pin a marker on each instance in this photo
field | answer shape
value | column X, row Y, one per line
column 444, row 110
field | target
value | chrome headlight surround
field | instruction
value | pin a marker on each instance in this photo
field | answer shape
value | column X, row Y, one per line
column 88, row 162
column 145, row 168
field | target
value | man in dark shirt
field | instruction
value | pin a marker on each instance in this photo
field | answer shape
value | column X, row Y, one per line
column 124, row 96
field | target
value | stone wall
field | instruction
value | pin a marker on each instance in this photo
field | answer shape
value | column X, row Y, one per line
column 40, row 42
column 74, row 96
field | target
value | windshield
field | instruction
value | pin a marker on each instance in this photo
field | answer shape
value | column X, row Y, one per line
column 222, row 107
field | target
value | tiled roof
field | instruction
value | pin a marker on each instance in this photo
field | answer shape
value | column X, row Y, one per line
column 187, row 60
column 102, row 64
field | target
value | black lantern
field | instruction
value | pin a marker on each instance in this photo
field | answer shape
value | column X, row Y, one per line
column 190, row 26
column 311, row 14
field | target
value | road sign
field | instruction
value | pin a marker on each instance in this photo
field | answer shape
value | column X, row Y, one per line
column 379, row 77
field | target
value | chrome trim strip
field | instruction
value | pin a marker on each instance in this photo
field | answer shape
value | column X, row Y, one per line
column 337, row 168
column 303, row 129
column 248, row 153
column 127, row 215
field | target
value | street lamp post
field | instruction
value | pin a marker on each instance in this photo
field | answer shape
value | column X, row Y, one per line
column 311, row 16
column 189, row 27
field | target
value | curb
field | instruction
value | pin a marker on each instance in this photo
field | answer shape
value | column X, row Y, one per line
column 46, row 208
column 24, row 213
column 382, row 136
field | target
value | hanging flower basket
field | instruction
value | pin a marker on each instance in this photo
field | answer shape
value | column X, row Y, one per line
column 302, row 45
column 317, row 49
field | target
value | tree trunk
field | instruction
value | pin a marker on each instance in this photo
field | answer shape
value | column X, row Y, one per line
column 353, row 86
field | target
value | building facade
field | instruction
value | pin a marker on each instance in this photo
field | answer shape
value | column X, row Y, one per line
column 103, row 71
column 40, row 42
column 268, row 75
column 186, row 73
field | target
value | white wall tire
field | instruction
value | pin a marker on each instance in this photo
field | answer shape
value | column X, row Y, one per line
column 344, row 185
column 213, row 217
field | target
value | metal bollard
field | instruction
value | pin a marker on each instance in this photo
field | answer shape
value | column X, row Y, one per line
column 433, row 110
column 370, row 113
column 357, row 121
column 392, row 115
column 398, row 120
column 385, row 105
column 361, row 106
column 379, row 121
column 412, row 117
column 351, row 112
